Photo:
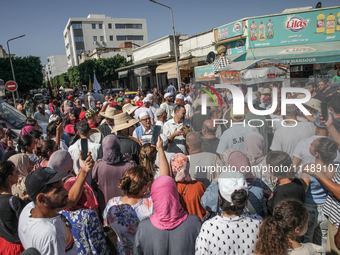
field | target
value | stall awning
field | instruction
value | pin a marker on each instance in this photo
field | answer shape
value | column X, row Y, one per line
column 171, row 68
column 122, row 74
column 312, row 53
column 237, row 57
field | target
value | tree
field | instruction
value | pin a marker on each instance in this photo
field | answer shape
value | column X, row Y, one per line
column 28, row 72
column 73, row 76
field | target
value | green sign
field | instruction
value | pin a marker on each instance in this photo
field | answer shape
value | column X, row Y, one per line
column 320, row 25
column 229, row 31
column 235, row 47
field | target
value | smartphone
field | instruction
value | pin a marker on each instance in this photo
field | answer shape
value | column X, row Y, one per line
column 84, row 149
column 155, row 133
column 324, row 111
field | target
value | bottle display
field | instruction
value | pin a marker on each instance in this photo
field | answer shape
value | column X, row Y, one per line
column 253, row 31
column 330, row 24
column 262, row 32
column 270, row 29
column 320, row 23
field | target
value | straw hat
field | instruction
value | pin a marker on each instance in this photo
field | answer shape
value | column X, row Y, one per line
column 122, row 121
column 314, row 104
column 109, row 112
column 236, row 117
column 266, row 91
column 129, row 108
column 95, row 135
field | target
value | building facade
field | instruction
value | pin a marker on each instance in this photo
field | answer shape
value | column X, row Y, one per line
column 56, row 65
column 99, row 31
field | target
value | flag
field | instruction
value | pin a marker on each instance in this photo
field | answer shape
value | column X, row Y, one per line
column 58, row 93
column 49, row 86
column 90, row 84
column 96, row 86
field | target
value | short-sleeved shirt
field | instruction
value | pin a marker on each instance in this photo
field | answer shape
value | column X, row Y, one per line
column 331, row 207
column 171, row 89
column 236, row 235
column 47, row 235
column 178, row 145
column 124, row 220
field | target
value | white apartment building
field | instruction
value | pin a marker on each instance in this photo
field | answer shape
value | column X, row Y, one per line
column 56, row 65
column 98, row 31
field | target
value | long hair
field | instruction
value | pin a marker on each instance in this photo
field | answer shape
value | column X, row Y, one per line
column 275, row 231
column 148, row 157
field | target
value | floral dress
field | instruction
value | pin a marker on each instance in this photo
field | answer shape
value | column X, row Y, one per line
column 88, row 232
column 124, row 220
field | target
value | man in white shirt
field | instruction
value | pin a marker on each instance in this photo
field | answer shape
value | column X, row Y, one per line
column 41, row 115
column 234, row 136
column 145, row 128
column 286, row 138
column 153, row 106
column 82, row 129
column 201, row 162
column 168, row 105
column 146, row 108
column 161, row 118
column 40, row 225
column 188, row 109
column 172, row 129
column 92, row 101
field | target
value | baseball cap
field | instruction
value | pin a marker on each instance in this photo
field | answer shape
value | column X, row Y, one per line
column 82, row 115
column 119, row 99
column 70, row 96
column 228, row 182
column 40, row 178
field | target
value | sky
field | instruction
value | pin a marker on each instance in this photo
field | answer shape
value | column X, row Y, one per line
column 43, row 21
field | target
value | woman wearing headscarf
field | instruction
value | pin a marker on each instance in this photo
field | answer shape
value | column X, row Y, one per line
column 170, row 230
column 108, row 171
column 253, row 148
column 123, row 214
column 190, row 192
column 232, row 232
column 10, row 209
column 86, row 228
column 24, row 167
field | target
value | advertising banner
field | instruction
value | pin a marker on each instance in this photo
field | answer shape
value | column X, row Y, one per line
column 317, row 26
column 235, row 47
column 230, row 76
column 230, row 30
column 204, row 73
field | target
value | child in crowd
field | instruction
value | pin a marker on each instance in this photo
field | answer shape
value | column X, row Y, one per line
column 278, row 234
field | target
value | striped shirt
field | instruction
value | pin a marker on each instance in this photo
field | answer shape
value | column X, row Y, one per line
column 331, row 208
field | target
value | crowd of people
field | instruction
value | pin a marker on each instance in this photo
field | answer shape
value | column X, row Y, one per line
column 97, row 183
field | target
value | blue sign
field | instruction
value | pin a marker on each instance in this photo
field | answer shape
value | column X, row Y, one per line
column 230, row 30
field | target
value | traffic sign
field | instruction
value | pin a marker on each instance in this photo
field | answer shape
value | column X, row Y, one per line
column 11, row 86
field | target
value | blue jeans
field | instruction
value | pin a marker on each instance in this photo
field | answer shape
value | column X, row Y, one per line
column 317, row 226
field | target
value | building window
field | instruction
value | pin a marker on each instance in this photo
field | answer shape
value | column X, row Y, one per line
column 100, row 26
column 76, row 26
column 94, row 38
column 93, row 26
column 48, row 60
column 119, row 26
column 50, row 72
column 102, row 38
column 78, row 39
column 110, row 26
column 129, row 37
column 111, row 37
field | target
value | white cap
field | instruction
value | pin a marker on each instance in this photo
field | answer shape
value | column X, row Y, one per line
column 142, row 114
column 228, row 182
column 167, row 95
column 180, row 96
column 188, row 99
column 160, row 111
column 149, row 95
column 147, row 100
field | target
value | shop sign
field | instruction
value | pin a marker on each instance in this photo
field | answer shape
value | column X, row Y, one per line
column 204, row 73
column 229, row 31
column 319, row 25
column 235, row 47
column 230, row 76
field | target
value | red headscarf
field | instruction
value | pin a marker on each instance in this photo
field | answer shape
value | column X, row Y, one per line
column 87, row 199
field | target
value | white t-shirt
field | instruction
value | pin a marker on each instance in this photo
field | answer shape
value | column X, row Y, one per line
column 92, row 102
column 49, row 236
column 286, row 138
column 278, row 119
column 307, row 249
column 178, row 145
column 234, row 137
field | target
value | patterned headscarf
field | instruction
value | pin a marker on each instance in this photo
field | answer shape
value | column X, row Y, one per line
column 89, row 113
column 22, row 162
column 180, row 166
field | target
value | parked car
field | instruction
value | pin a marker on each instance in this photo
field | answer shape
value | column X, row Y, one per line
column 131, row 95
column 38, row 97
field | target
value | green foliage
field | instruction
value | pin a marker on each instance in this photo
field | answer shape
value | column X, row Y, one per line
column 28, row 72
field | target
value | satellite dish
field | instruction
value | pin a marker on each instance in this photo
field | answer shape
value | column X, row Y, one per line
column 211, row 57
column 318, row 5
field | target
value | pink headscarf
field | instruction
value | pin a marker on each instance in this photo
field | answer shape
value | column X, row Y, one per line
column 180, row 167
column 26, row 129
column 239, row 160
column 168, row 211
column 51, row 108
column 253, row 147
